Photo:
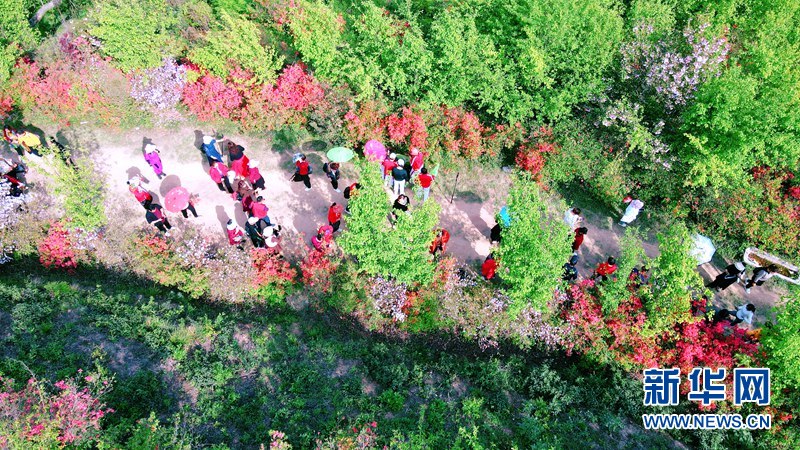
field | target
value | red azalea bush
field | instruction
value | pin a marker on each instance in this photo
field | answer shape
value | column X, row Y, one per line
column 57, row 250
column 34, row 417
column 6, row 105
column 531, row 156
column 764, row 213
column 364, row 121
column 318, row 267
column 407, row 128
column 620, row 336
column 465, row 133
column 273, row 275
column 210, row 98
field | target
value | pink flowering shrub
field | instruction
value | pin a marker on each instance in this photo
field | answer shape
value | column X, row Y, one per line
column 6, row 105
column 35, row 418
column 273, row 275
column 210, row 98
column 364, row 121
column 57, row 251
column 531, row 156
column 466, row 133
column 318, row 267
column 407, row 128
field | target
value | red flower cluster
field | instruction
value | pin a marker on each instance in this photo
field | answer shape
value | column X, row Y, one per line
column 364, row 122
column 531, row 157
column 210, row 98
column 57, row 250
column 270, row 268
column 317, row 268
column 466, row 133
column 409, row 125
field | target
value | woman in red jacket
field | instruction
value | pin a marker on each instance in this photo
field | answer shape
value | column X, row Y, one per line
column 302, row 172
column 335, row 216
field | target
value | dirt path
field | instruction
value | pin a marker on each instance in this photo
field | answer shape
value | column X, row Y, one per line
column 468, row 218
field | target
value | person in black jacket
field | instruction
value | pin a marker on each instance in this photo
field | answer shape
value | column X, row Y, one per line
column 332, row 171
column 730, row 275
column 254, row 230
column 400, row 176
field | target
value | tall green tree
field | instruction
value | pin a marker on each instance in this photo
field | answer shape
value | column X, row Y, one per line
column 534, row 248
column 16, row 34
column 674, row 280
column 782, row 343
column 137, row 34
column 400, row 252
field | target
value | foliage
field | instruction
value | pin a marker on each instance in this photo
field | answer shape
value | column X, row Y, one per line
column 531, row 156
column 533, row 249
column 410, row 126
column 236, row 42
column 674, row 280
column 390, row 298
column 137, row 34
column 81, row 192
column 400, row 252
column 179, row 265
column 32, row 416
column 57, row 250
column 316, row 31
column 273, row 275
column 210, row 98
column 782, row 345
column 15, row 35
column 318, row 268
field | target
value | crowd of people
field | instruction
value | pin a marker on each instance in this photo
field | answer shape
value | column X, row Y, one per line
column 240, row 177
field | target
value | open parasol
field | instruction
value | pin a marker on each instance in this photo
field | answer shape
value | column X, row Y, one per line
column 374, row 150
column 702, row 249
column 177, row 199
column 340, row 154
column 435, row 171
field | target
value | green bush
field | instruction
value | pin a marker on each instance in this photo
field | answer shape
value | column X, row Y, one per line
column 137, row 34
column 534, row 247
column 782, row 344
column 16, row 35
column 236, row 41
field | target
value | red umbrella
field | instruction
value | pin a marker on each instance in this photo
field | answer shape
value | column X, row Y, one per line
column 177, row 199
column 241, row 166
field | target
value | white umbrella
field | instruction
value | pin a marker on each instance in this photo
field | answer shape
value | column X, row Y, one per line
column 702, row 249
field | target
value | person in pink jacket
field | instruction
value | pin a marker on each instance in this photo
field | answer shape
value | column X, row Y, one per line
column 254, row 176
column 219, row 173
column 235, row 234
column 151, row 155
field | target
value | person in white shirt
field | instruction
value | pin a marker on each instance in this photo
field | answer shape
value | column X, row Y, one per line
column 572, row 217
column 760, row 275
column 742, row 314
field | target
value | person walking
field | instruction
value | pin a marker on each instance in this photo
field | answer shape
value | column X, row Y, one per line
column 579, row 235
column 241, row 167
column 496, row 234
column 190, row 207
column 489, row 267
column 235, row 234
column 572, row 217
column 302, row 171
column 332, row 171
column 388, row 165
column 254, row 176
column 760, row 275
column 440, row 241
column 570, row 274
column 155, row 216
column 151, row 155
column 210, row 149
column 335, row 216
column 425, row 181
column 733, row 273
column 234, row 152
column 260, row 211
column 219, row 173
column 400, row 176
column 417, row 161
column 634, row 206
column 743, row 313
column 142, row 195
column 254, row 231
column 273, row 239
column 605, row 269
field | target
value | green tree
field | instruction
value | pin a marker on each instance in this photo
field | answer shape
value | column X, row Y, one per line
column 782, row 343
column 234, row 40
column 15, row 34
column 674, row 279
column 137, row 34
column 400, row 252
column 534, row 247
column 317, row 35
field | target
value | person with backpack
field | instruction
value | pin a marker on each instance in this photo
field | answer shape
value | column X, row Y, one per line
column 332, row 171
column 254, row 231
column 302, row 171
column 400, row 176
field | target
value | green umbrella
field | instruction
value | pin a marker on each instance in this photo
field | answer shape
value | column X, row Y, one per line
column 435, row 171
column 340, row 154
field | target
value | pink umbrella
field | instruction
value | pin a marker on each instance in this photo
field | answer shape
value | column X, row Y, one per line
column 177, row 199
column 374, row 150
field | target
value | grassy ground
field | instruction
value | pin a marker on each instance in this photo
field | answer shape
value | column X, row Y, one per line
column 230, row 375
